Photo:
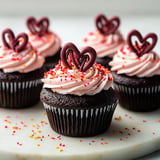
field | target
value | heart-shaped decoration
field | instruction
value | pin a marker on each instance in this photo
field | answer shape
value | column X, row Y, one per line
column 144, row 46
column 15, row 43
column 107, row 26
column 39, row 27
column 82, row 60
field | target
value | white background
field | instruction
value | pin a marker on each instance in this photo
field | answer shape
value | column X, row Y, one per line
column 72, row 15
column 79, row 7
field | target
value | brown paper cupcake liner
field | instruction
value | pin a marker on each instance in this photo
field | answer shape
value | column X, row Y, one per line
column 138, row 98
column 80, row 122
column 19, row 94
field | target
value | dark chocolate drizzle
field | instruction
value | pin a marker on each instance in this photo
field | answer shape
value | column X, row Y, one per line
column 82, row 60
column 107, row 26
column 38, row 27
column 15, row 43
column 144, row 46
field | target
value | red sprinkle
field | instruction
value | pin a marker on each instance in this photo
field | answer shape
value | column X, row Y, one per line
column 122, row 50
column 15, row 59
column 85, row 40
column 110, row 78
column 103, row 41
column 91, row 33
column 85, row 85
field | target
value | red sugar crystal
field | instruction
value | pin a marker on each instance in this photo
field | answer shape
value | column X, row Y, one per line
column 91, row 33
column 85, row 40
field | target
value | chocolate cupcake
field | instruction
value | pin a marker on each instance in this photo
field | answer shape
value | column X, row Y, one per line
column 136, row 72
column 77, row 94
column 46, row 42
column 21, row 72
column 106, row 40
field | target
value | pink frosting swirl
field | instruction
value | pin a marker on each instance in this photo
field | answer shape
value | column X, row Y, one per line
column 24, row 61
column 71, row 81
column 105, row 45
column 46, row 45
column 127, row 62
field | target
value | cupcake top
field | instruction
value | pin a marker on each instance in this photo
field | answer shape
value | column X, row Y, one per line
column 45, row 41
column 77, row 73
column 137, row 58
column 17, row 55
column 107, row 39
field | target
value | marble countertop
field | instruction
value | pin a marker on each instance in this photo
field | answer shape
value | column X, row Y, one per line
column 73, row 29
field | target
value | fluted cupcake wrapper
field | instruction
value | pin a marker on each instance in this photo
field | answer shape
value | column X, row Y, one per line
column 19, row 94
column 80, row 122
column 138, row 98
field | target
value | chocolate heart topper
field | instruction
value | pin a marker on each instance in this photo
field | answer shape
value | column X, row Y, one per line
column 82, row 60
column 107, row 26
column 144, row 46
column 15, row 43
column 38, row 27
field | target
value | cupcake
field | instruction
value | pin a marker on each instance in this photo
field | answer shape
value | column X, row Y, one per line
column 106, row 40
column 136, row 73
column 21, row 71
column 46, row 42
column 77, row 94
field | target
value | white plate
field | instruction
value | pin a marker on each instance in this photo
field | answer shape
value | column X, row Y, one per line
column 27, row 134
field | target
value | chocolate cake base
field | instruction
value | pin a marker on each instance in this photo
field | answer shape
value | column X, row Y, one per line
column 51, row 61
column 138, row 94
column 20, row 90
column 79, row 116
column 104, row 61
